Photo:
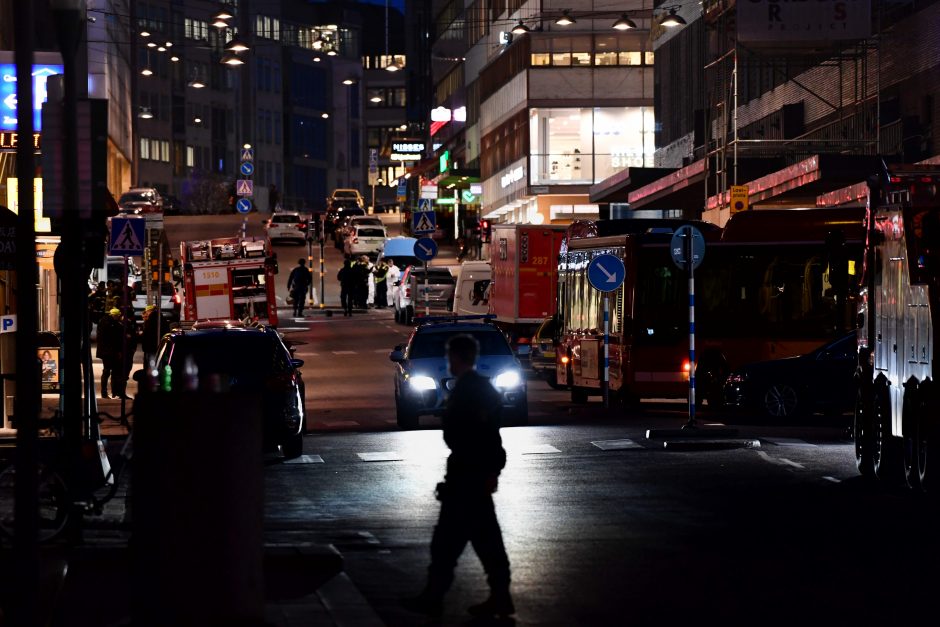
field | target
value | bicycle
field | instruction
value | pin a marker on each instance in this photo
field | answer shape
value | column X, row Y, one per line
column 56, row 510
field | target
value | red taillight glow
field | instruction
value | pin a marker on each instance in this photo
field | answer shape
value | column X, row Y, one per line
column 686, row 366
column 302, row 226
column 177, row 299
column 523, row 340
column 565, row 359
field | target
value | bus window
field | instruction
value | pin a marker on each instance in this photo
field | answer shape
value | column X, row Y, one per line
column 659, row 315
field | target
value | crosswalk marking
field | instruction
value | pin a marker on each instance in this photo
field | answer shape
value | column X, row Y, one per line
column 306, row 459
column 537, row 449
column 380, row 456
column 615, row 445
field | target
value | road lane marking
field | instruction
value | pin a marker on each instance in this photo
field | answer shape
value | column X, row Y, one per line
column 779, row 461
column 788, row 442
column 305, row 459
column 832, row 479
column 380, row 456
column 615, row 445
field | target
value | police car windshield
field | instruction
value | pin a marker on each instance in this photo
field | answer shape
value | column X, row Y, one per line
column 433, row 344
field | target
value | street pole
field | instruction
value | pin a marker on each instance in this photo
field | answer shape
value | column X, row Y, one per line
column 690, row 267
column 69, row 17
column 605, row 382
column 322, row 271
column 427, row 303
column 310, row 288
column 27, row 385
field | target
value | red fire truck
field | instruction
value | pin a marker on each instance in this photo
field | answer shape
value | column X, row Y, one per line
column 229, row 278
column 524, row 258
column 897, row 411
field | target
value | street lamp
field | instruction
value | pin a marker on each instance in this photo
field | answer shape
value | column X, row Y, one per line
column 196, row 84
column 349, row 81
column 624, row 23
column 233, row 60
column 145, row 113
column 565, row 19
column 236, row 46
column 520, row 28
column 673, row 19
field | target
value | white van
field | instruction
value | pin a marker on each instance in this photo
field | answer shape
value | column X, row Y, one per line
column 470, row 296
column 113, row 270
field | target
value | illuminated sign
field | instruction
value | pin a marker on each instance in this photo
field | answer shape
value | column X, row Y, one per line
column 440, row 114
column 444, row 162
column 407, row 147
column 512, row 176
column 10, row 140
column 460, row 114
column 404, row 156
column 43, row 225
column 41, row 74
column 447, row 200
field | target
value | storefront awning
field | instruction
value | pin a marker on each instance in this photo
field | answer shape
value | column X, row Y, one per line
column 857, row 192
column 800, row 183
column 617, row 187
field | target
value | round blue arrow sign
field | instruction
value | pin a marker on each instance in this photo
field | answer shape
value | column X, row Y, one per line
column 677, row 247
column 425, row 249
column 243, row 205
column 247, row 168
column 606, row 273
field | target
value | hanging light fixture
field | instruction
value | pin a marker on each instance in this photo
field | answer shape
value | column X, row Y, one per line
column 624, row 23
column 324, row 115
column 146, row 71
column 151, row 44
column 196, row 84
column 331, row 53
column 349, row 81
column 223, row 14
column 174, row 59
column 197, row 120
column 145, row 113
column 393, row 66
column 376, row 99
column 233, row 60
column 236, row 45
column 565, row 19
column 673, row 19
column 520, row 29
column 220, row 24
column 145, row 33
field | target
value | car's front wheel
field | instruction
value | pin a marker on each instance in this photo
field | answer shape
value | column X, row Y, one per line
column 781, row 400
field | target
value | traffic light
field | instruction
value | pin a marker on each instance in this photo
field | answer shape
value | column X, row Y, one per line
column 485, row 231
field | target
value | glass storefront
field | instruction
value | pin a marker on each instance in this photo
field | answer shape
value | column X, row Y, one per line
column 587, row 145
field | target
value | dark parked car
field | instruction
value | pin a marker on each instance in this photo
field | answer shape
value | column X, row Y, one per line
column 423, row 382
column 252, row 359
column 782, row 389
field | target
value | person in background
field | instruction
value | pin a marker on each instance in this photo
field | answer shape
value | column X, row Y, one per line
column 297, row 284
column 380, row 276
column 130, row 341
column 361, row 272
column 110, row 344
column 347, row 285
column 394, row 276
column 97, row 302
column 149, row 334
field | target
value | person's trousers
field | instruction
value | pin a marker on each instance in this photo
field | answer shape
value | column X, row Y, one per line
column 467, row 518
column 381, row 294
column 108, row 372
column 346, row 298
column 299, row 296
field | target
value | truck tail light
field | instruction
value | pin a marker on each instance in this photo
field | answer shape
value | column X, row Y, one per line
column 177, row 299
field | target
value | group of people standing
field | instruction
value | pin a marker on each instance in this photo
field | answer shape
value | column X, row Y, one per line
column 364, row 284
column 118, row 337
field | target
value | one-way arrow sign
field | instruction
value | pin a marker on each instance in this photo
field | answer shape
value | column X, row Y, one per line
column 606, row 273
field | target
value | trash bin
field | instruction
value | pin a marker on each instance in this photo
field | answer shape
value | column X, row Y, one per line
column 197, row 499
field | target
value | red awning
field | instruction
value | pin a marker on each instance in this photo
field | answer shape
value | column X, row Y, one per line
column 684, row 187
column 616, row 188
column 856, row 192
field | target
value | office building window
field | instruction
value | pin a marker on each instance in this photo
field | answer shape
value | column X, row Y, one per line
column 190, row 157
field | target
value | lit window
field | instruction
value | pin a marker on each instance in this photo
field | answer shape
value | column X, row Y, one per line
column 190, row 156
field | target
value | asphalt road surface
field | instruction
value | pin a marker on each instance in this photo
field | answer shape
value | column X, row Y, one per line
column 603, row 526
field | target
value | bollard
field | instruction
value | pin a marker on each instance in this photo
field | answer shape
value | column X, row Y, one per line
column 197, row 542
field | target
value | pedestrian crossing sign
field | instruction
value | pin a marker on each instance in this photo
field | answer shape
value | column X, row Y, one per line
column 244, row 187
column 127, row 237
column 423, row 222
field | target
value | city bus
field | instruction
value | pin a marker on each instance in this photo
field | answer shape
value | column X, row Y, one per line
column 773, row 283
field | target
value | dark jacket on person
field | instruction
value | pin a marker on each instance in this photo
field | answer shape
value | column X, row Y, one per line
column 471, row 429
column 347, row 276
column 110, row 338
column 149, row 338
column 299, row 279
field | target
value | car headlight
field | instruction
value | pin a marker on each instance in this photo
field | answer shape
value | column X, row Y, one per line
column 421, row 383
column 507, row 379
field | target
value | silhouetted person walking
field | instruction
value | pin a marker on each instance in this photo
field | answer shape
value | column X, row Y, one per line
column 471, row 430
column 297, row 284
column 347, row 286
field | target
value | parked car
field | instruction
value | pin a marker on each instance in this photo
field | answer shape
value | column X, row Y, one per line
column 422, row 380
column 335, row 218
column 354, row 221
column 286, row 225
column 170, row 301
column 344, row 197
column 784, row 389
column 470, row 291
column 365, row 239
column 542, row 353
column 172, row 206
column 250, row 359
column 140, row 200
column 413, row 295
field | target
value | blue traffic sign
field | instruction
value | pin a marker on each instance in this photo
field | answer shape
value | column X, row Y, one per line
column 247, row 168
column 127, row 237
column 677, row 247
column 606, row 273
column 243, row 205
column 425, row 249
column 423, row 222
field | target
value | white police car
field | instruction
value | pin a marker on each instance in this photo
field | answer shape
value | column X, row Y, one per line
column 422, row 380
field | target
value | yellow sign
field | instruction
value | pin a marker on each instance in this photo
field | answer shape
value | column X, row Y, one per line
column 739, row 199
column 43, row 225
